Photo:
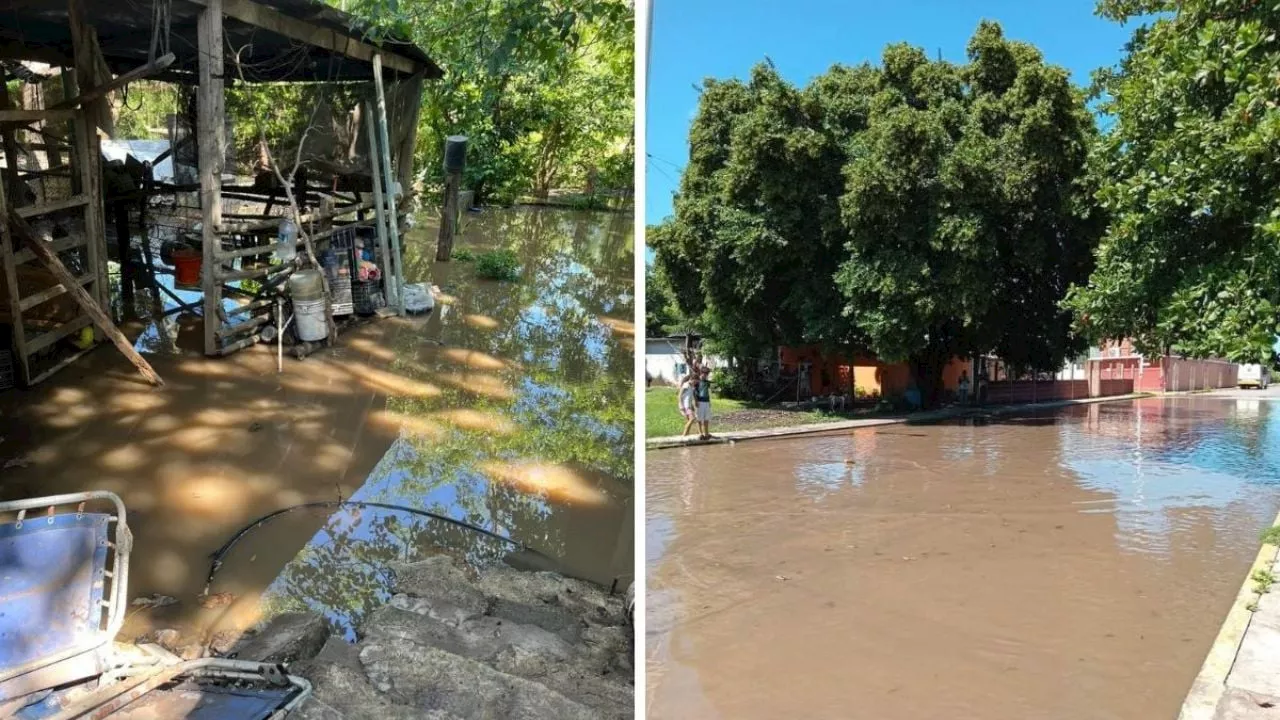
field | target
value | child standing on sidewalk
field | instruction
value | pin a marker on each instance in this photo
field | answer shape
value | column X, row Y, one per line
column 702, row 394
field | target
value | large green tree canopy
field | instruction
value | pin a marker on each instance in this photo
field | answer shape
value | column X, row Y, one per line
column 920, row 209
column 1189, row 170
column 543, row 89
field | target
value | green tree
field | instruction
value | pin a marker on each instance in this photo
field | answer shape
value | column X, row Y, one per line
column 544, row 90
column 1188, row 170
column 661, row 314
column 921, row 210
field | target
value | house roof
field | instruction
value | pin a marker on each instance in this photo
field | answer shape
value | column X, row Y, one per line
column 277, row 40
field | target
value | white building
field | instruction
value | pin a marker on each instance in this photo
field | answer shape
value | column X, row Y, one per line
column 664, row 361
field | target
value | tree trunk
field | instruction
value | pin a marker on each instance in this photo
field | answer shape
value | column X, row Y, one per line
column 927, row 371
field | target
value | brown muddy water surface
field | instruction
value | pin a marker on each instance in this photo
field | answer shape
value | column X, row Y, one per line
column 509, row 407
column 1067, row 565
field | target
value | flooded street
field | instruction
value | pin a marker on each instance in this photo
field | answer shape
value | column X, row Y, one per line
column 510, row 408
column 1070, row 564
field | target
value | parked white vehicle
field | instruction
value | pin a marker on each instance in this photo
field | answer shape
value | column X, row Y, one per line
column 1258, row 376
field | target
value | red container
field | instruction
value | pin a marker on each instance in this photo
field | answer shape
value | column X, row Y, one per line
column 186, row 266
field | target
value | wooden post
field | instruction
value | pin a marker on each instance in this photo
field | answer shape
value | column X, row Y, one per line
column 13, row 185
column 393, row 219
column 455, row 158
column 211, row 129
column 121, row 210
column 379, row 209
column 448, row 216
column 46, row 255
column 11, row 282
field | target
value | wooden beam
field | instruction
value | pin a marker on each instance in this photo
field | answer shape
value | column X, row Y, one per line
column 26, row 116
column 388, row 184
column 251, row 13
column 212, row 143
column 87, row 303
column 138, row 73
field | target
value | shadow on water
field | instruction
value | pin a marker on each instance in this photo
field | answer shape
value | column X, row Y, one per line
column 510, row 407
column 964, row 569
column 528, row 432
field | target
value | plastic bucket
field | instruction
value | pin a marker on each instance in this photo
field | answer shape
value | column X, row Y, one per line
column 186, row 267
column 306, row 285
column 308, row 319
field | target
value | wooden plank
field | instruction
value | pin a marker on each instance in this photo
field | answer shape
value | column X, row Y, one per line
column 9, row 143
column 62, row 244
column 274, row 222
column 248, row 274
column 388, row 187
column 45, row 339
column 404, row 163
column 90, row 306
column 31, row 211
column 251, row 13
column 212, row 146
column 224, row 255
column 380, row 214
column 232, row 330
column 48, row 294
column 250, row 307
column 58, row 366
column 27, row 116
column 87, row 156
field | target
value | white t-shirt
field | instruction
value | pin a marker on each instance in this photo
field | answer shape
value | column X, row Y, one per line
column 686, row 395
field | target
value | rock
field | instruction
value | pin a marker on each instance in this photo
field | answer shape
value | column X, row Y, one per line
column 341, row 692
column 167, row 638
column 432, row 679
column 288, row 638
column 223, row 641
column 480, row 638
column 445, row 587
column 552, row 602
column 190, row 651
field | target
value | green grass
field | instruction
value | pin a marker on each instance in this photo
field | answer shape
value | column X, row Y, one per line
column 1271, row 536
column 498, row 265
column 662, row 416
column 463, row 255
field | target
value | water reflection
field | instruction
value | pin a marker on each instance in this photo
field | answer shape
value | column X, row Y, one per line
column 529, row 432
column 966, row 569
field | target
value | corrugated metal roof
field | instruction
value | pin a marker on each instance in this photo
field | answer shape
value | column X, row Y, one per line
column 40, row 30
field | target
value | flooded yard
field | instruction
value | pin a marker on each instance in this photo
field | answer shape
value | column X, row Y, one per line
column 1067, row 565
column 509, row 407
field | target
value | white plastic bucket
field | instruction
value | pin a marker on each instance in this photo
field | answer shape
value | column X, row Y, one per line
column 308, row 317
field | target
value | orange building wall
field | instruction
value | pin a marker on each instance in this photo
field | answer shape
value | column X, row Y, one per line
column 871, row 377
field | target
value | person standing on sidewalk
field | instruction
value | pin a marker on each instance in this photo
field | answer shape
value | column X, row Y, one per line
column 702, row 395
column 685, row 395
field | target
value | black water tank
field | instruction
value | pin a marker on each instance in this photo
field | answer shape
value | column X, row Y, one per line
column 455, row 153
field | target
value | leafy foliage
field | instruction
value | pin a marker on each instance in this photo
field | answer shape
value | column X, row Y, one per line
column 542, row 89
column 498, row 265
column 1188, row 172
column 661, row 315
column 920, row 209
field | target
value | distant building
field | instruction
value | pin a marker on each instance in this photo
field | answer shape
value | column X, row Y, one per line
column 1161, row 373
column 664, row 361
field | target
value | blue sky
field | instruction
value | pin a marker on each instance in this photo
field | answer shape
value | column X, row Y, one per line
column 696, row 39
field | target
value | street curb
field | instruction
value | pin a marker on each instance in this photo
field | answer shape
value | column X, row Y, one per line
column 664, row 443
column 1207, row 689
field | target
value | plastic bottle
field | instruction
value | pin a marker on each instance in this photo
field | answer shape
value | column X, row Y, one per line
column 287, row 241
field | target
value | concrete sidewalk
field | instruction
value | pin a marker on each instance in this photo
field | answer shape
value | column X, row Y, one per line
column 660, row 443
column 1240, row 679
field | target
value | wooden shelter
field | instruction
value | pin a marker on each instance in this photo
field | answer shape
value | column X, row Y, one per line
column 203, row 45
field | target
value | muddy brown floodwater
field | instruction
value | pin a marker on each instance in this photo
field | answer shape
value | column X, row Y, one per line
column 510, row 407
column 1067, row 565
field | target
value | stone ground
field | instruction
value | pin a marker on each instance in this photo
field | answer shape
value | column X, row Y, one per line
column 1253, row 685
column 459, row 644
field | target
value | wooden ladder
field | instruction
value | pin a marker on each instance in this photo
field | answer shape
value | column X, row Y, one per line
column 85, row 200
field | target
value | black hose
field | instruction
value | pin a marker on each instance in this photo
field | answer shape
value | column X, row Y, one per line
column 221, row 552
